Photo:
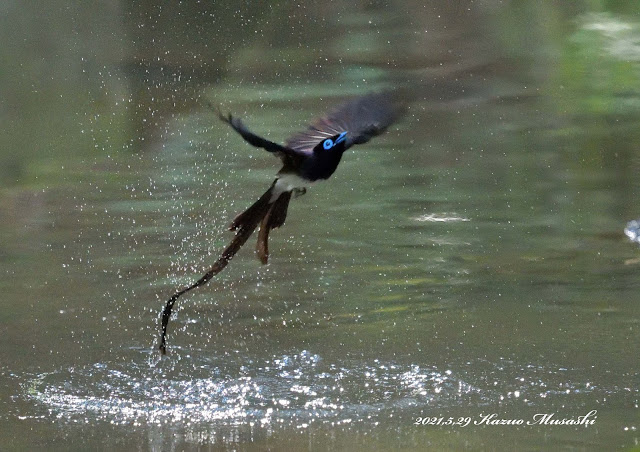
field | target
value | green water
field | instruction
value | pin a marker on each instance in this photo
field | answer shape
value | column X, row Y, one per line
column 470, row 261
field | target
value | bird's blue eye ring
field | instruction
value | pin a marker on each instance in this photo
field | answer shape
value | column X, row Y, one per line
column 328, row 143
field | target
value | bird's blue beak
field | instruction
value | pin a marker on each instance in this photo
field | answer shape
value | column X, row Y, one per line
column 341, row 138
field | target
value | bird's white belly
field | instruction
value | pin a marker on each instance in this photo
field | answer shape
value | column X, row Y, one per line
column 288, row 182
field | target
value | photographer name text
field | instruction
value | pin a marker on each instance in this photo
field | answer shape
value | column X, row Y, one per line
column 494, row 419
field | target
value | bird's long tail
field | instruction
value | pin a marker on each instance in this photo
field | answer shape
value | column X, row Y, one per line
column 273, row 219
column 244, row 225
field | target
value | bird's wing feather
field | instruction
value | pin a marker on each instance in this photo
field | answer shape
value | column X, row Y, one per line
column 251, row 137
column 362, row 118
column 290, row 157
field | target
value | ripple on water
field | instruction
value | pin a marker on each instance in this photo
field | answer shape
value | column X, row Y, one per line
column 297, row 390
column 440, row 218
column 292, row 389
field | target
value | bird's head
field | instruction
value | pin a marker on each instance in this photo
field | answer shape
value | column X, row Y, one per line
column 336, row 143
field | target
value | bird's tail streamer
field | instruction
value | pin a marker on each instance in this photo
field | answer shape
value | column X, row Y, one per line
column 274, row 218
column 244, row 225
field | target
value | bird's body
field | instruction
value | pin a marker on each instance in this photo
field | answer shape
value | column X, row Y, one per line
column 307, row 157
column 312, row 155
column 291, row 182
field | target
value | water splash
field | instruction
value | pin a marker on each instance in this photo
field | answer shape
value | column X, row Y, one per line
column 633, row 231
column 299, row 389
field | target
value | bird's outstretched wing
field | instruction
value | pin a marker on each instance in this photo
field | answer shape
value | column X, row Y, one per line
column 362, row 118
column 290, row 157
column 251, row 137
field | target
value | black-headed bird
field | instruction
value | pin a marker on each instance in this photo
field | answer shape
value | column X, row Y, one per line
column 309, row 156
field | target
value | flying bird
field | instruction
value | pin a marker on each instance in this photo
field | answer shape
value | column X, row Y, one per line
column 307, row 157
